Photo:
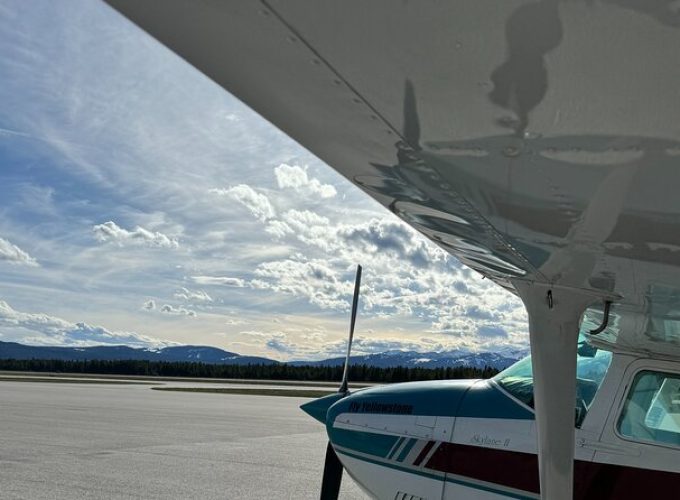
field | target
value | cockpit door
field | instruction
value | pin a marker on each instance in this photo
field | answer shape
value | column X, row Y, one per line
column 640, row 442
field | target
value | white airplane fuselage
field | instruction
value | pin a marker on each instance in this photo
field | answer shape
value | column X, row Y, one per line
column 473, row 439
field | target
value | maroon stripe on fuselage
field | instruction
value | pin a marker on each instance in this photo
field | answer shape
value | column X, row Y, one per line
column 592, row 480
column 423, row 453
column 508, row 468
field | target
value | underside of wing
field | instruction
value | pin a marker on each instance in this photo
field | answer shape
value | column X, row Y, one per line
column 535, row 141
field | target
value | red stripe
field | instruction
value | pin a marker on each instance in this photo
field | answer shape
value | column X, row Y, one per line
column 423, row 453
column 592, row 480
column 508, row 468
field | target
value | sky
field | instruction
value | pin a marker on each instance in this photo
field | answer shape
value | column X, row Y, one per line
column 142, row 204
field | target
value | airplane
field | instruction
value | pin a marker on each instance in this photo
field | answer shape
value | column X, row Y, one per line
column 538, row 142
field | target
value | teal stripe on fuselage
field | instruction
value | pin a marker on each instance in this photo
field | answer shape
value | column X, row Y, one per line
column 396, row 447
column 407, row 448
column 378, row 445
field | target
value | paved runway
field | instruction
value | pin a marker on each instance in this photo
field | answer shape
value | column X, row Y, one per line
column 60, row 440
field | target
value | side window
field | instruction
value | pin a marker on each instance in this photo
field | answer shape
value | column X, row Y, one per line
column 652, row 408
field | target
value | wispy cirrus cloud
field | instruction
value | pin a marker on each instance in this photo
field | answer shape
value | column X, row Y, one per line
column 219, row 280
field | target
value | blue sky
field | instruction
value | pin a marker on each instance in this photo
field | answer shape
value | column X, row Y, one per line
column 142, row 204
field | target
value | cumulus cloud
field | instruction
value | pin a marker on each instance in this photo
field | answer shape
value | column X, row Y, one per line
column 295, row 177
column 278, row 228
column 491, row 331
column 308, row 226
column 476, row 312
column 50, row 330
column 328, row 282
column 219, row 280
column 193, row 295
column 15, row 255
column 276, row 341
column 257, row 203
column 380, row 236
column 427, row 283
column 313, row 279
column 376, row 236
column 279, row 343
column 177, row 311
column 110, row 232
column 150, row 305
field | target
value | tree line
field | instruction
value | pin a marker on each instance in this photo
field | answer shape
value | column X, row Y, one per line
column 357, row 373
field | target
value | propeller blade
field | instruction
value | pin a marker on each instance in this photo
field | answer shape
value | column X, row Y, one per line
column 332, row 475
column 332, row 469
column 355, row 303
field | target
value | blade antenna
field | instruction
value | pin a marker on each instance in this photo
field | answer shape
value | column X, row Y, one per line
column 355, row 303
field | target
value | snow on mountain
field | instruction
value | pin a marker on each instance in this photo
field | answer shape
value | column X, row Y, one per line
column 204, row 354
column 444, row 359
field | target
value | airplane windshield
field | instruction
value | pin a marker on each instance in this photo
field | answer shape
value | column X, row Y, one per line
column 591, row 367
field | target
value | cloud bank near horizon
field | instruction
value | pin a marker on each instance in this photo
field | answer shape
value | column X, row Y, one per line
column 42, row 329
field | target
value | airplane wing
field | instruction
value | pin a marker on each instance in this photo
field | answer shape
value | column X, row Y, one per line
column 537, row 141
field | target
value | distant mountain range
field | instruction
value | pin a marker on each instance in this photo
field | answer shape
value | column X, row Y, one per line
column 411, row 359
column 204, row 354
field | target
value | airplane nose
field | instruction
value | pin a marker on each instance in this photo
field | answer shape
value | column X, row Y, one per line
column 318, row 408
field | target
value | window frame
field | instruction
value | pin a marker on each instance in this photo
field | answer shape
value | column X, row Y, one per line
column 631, row 374
column 508, row 394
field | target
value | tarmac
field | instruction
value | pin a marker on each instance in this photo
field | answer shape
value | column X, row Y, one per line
column 92, row 441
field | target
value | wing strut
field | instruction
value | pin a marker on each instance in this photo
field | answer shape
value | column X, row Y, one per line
column 554, row 320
